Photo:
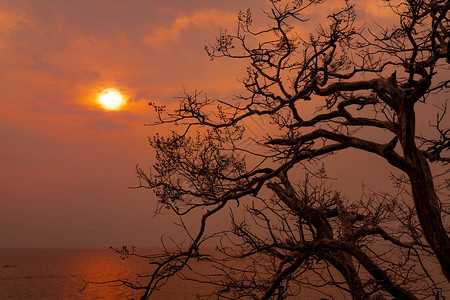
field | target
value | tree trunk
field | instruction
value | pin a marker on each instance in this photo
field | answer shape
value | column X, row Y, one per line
column 424, row 194
column 428, row 210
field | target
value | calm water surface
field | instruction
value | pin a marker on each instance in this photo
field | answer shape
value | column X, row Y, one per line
column 61, row 274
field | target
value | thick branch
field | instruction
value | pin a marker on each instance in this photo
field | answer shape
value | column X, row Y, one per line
column 374, row 270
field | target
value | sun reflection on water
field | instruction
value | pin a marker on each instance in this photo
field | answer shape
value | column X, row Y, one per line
column 63, row 273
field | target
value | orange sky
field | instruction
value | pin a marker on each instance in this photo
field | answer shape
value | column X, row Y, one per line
column 66, row 163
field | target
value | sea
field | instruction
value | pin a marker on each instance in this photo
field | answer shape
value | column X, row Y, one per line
column 81, row 274
column 63, row 274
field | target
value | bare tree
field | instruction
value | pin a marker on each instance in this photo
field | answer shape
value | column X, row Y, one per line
column 368, row 84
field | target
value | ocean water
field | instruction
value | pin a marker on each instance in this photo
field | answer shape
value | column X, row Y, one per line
column 62, row 273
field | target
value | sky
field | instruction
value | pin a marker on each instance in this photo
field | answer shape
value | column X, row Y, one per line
column 67, row 164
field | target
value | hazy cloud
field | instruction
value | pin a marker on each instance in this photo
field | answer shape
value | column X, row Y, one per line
column 378, row 10
column 202, row 19
column 9, row 21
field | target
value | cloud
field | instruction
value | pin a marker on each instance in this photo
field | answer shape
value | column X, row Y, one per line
column 205, row 19
column 378, row 10
column 9, row 21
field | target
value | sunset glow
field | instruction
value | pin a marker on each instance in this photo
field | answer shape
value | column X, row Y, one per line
column 111, row 99
column 76, row 83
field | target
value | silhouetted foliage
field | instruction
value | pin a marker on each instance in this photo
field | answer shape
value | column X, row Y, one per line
column 288, row 235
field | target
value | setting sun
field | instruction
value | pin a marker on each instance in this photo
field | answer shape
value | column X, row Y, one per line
column 111, row 99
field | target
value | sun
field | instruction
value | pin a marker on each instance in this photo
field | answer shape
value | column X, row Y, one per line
column 111, row 99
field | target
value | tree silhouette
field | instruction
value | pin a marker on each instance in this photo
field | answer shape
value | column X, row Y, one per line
column 293, row 235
